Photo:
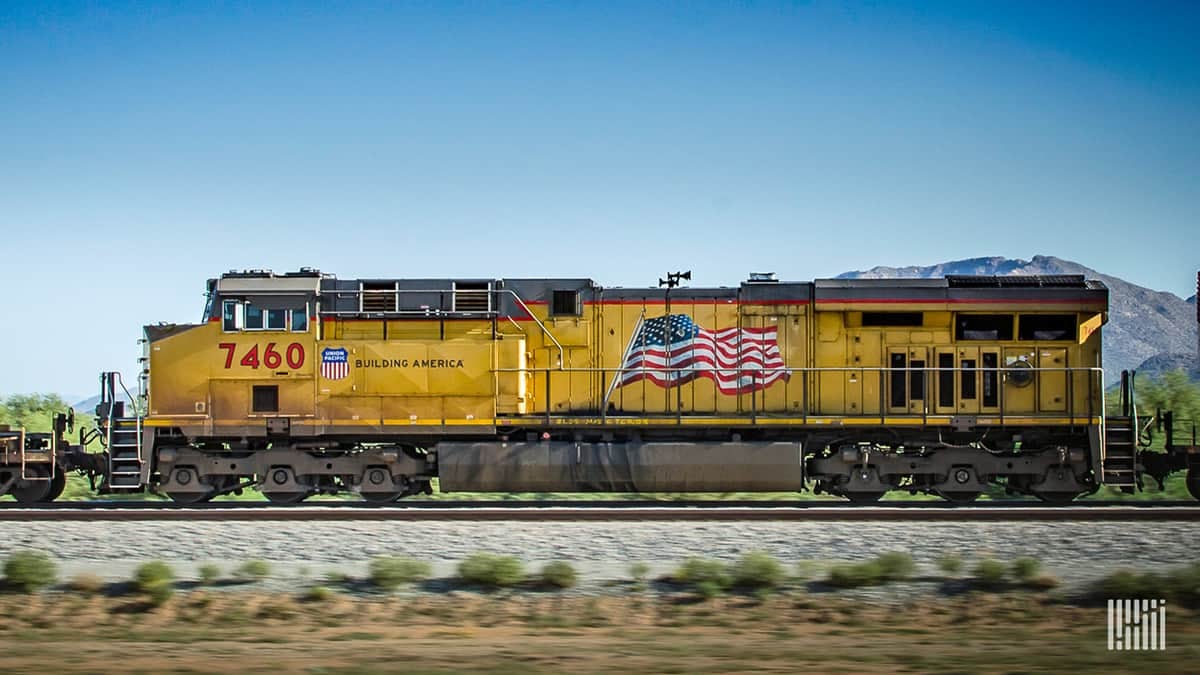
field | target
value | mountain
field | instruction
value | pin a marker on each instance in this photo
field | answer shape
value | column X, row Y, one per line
column 1155, row 366
column 1142, row 323
column 88, row 405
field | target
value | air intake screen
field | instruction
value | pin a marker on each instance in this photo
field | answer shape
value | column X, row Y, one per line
column 1028, row 281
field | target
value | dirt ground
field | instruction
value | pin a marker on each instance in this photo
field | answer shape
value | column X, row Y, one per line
column 219, row 631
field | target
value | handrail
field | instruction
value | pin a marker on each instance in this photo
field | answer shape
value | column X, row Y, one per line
column 435, row 313
column 539, row 323
column 137, row 417
column 1070, row 411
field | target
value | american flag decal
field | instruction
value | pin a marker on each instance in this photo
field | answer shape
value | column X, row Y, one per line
column 335, row 363
column 673, row 350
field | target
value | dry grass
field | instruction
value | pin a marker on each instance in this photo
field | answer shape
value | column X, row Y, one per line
column 467, row 632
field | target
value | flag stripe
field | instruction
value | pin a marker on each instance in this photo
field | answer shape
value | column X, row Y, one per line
column 673, row 350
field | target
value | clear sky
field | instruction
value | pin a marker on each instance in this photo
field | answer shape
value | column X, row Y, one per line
column 145, row 148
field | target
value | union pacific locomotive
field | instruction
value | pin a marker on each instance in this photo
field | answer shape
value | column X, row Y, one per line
column 304, row 383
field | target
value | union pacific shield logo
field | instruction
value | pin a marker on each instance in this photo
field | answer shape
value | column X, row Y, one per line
column 335, row 363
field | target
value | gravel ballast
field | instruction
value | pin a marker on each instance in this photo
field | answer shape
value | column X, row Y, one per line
column 1076, row 552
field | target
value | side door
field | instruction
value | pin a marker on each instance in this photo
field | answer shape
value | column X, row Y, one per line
column 907, row 380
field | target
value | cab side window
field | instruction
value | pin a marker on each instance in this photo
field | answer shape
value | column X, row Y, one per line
column 231, row 314
column 239, row 315
column 254, row 318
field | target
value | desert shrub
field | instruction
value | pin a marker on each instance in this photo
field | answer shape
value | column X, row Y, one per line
column 700, row 571
column 950, row 564
column 151, row 574
column 159, row 595
column 88, row 583
column 317, row 594
column 891, row 566
column 391, row 572
column 488, row 569
column 209, row 573
column 895, row 566
column 336, row 577
column 1042, row 582
column 1183, row 585
column 1121, row 584
column 156, row 580
column 757, row 570
column 1025, row 569
column 1180, row 585
column 559, row 574
column 253, row 570
column 708, row 577
column 989, row 572
column 30, row 571
column 853, row 575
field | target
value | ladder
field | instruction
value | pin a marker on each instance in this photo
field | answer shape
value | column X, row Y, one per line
column 1120, row 453
column 123, row 436
column 124, row 454
column 1120, row 469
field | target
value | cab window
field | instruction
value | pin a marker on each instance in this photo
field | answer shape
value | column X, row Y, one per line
column 277, row 319
column 254, row 318
column 230, row 313
column 239, row 315
column 1040, row 327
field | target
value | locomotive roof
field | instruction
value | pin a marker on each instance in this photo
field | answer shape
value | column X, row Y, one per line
column 342, row 294
column 308, row 279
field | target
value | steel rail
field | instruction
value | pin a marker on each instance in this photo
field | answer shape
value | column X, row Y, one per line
column 641, row 511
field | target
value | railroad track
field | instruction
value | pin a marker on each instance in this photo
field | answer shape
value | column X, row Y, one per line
column 606, row 511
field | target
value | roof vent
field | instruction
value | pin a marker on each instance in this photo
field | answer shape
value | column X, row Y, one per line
column 763, row 278
column 1017, row 281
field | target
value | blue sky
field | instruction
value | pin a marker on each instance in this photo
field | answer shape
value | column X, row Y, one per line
column 147, row 147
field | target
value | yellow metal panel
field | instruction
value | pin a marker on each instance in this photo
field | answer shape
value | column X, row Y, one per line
column 460, row 367
column 1018, row 400
column 1090, row 326
column 342, row 409
column 390, row 367
column 830, row 353
column 414, row 330
column 1052, row 384
column 571, row 331
column 512, row 376
column 412, row 408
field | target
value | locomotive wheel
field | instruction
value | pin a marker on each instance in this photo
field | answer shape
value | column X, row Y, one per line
column 382, row 497
column 378, row 486
column 285, row 497
column 185, row 475
column 1193, row 483
column 1056, row 498
column 863, row 497
column 959, row 498
column 283, row 483
column 190, row 497
column 32, row 491
column 57, row 485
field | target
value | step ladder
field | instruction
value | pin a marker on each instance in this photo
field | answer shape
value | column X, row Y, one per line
column 1120, row 453
column 124, row 455
column 123, row 435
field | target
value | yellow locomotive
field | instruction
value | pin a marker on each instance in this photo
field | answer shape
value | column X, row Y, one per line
column 302, row 383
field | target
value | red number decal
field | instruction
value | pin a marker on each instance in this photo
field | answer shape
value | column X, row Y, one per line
column 271, row 358
column 250, row 360
column 228, row 347
column 295, row 355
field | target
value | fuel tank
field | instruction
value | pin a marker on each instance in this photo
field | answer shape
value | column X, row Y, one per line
column 619, row 467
